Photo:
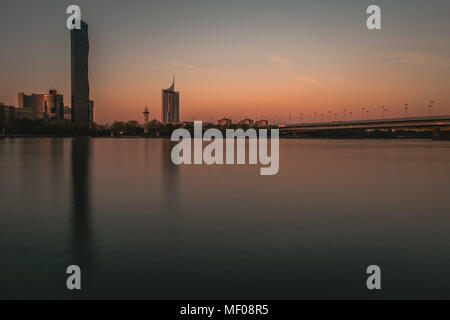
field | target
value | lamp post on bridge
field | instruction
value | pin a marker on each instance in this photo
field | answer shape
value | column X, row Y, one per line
column 406, row 110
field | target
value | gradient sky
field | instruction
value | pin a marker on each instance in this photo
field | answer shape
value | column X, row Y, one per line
column 235, row 58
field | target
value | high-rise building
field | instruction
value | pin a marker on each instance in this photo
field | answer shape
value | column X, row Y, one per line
column 48, row 106
column 53, row 105
column 170, row 105
column 32, row 102
column 82, row 108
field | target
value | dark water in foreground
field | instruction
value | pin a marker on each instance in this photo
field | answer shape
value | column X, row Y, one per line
column 141, row 227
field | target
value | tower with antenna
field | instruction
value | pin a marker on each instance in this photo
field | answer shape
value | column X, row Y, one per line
column 170, row 104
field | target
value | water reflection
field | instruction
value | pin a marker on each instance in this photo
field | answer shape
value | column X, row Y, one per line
column 170, row 172
column 156, row 230
column 56, row 167
column 81, row 246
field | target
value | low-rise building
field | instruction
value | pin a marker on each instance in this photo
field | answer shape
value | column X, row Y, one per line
column 67, row 113
column 91, row 111
column 246, row 121
column 23, row 113
column 7, row 116
column 225, row 122
column 261, row 123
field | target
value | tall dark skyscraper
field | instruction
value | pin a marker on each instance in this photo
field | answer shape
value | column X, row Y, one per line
column 170, row 105
column 80, row 102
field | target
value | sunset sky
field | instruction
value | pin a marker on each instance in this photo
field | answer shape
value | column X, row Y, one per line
column 234, row 58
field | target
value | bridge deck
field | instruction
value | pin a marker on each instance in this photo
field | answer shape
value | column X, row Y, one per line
column 393, row 123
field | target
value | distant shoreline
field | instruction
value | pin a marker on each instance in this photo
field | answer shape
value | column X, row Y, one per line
column 281, row 138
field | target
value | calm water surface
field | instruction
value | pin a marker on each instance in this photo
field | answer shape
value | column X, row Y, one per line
column 140, row 227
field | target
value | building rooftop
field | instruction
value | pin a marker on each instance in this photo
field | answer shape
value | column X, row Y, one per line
column 172, row 87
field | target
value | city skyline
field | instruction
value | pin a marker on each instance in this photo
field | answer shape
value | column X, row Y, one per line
column 269, row 61
column 243, row 156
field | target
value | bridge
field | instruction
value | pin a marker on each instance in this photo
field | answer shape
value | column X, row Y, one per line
column 429, row 123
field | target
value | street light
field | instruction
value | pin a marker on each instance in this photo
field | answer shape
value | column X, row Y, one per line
column 362, row 109
column 345, row 116
column 351, row 115
column 329, row 116
column 406, row 110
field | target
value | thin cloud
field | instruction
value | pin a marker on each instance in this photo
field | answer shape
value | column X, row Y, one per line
column 278, row 59
column 192, row 67
column 334, row 78
column 305, row 78
column 158, row 68
column 418, row 58
column 287, row 67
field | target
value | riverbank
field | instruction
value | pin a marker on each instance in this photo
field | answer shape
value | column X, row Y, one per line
column 441, row 138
